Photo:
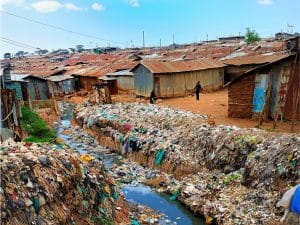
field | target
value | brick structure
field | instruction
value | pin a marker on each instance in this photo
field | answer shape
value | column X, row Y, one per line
column 240, row 97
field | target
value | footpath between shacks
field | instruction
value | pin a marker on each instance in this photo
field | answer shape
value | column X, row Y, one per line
column 227, row 174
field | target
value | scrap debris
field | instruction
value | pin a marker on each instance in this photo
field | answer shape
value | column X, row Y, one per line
column 229, row 175
column 49, row 184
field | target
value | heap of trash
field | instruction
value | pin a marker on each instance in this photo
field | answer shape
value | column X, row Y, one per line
column 228, row 174
column 52, row 184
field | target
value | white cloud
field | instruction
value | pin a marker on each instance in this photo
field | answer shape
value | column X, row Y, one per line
column 97, row 6
column 134, row 3
column 13, row 2
column 265, row 2
column 48, row 6
column 10, row 2
column 72, row 7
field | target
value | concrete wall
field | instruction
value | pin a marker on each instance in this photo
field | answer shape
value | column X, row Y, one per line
column 181, row 84
column 240, row 97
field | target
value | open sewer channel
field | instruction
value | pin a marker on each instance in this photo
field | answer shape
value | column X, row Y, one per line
column 174, row 211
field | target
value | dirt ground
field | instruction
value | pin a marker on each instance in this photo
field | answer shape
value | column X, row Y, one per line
column 214, row 104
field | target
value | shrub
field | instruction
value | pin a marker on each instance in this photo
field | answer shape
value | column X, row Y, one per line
column 37, row 129
column 251, row 36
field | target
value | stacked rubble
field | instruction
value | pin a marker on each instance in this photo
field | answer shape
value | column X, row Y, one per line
column 227, row 174
column 51, row 184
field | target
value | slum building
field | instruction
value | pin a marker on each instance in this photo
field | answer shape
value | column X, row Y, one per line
column 237, row 66
column 61, row 84
column 18, row 84
column 269, row 89
column 177, row 78
column 124, row 80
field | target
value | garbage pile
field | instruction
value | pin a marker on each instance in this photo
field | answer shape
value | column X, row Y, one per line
column 51, row 184
column 228, row 174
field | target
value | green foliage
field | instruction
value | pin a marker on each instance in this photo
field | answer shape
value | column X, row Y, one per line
column 232, row 178
column 103, row 220
column 251, row 36
column 37, row 129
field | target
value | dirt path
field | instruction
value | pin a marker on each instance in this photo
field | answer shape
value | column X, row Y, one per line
column 216, row 105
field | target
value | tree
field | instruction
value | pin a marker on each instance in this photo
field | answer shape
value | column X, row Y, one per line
column 251, row 36
column 7, row 55
column 20, row 53
column 79, row 48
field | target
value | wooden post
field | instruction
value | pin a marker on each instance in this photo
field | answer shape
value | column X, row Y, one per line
column 30, row 104
column 55, row 106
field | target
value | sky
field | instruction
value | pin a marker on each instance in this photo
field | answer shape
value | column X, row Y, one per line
column 122, row 22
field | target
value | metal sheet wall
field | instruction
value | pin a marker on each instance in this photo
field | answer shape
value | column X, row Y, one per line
column 125, row 83
column 16, row 86
column 143, row 81
column 41, row 87
column 180, row 84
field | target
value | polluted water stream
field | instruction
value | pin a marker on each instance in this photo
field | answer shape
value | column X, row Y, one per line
column 174, row 212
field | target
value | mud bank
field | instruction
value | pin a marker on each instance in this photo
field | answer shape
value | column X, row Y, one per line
column 229, row 175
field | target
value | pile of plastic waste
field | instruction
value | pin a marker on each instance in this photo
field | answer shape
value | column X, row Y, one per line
column 228, row 174
column 51, row 184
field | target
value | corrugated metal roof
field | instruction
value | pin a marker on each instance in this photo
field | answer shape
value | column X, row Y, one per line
column 58, row 78
column 254, row 59
column 107, row 78
column 157, row 67
column 120, row 73
column 19, row 77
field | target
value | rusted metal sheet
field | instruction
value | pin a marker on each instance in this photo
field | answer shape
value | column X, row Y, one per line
column 160, row 67
column 292, row 103
column 255, row 59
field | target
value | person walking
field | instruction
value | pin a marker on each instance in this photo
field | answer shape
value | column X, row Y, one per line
column 198, row 89
column 152, row 97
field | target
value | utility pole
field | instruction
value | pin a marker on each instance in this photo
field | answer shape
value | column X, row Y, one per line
column 160, row 45
column 206, row 37
column 173, row 39
column 143, row 39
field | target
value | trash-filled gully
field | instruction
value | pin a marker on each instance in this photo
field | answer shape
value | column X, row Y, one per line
column 171, row 161
column 130, row 174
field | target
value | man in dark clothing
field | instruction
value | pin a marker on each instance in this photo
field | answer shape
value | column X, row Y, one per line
column 152, row 97
column 198, row 89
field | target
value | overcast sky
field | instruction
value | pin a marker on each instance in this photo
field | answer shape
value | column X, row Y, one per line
column 121, row 22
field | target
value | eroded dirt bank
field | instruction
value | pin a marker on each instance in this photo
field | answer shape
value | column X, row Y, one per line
column 233, row 175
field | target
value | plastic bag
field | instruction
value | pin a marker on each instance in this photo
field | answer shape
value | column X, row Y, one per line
column 287, row 197
column 295, row 203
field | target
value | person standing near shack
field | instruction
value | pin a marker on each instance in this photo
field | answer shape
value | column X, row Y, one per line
column 152, row 97
column 198, row 89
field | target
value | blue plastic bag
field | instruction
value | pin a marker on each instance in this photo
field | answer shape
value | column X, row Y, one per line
column 295, row 203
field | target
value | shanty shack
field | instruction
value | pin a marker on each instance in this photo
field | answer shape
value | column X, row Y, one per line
column 18, row 84
column 177, row 78
column 84, row 78
column 28, row 87
column 124, row 80
column 270, row 90
column 237, row 66
column 37, row 88
column 61, row 84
